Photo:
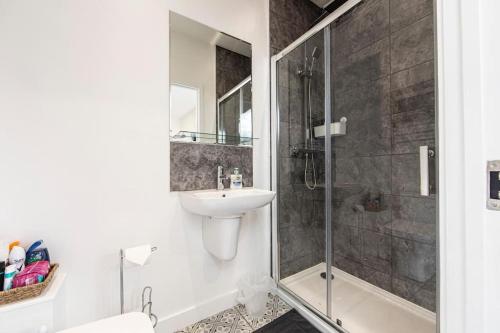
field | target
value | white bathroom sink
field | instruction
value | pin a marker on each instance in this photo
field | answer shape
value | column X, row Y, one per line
column 225, row 203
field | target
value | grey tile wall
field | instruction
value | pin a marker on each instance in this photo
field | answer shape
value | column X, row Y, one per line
column 383, row 81
column 382, row 65
column 288, row 20
column 193, row 166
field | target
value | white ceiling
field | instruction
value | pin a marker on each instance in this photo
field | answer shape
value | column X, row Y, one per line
column 196, row 30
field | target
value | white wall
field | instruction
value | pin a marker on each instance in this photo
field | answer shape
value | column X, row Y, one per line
column 193, row 65
column 468, row 49
column 84, row 147
column 490, row 69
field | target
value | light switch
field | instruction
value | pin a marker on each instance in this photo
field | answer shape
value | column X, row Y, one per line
column 493, row 174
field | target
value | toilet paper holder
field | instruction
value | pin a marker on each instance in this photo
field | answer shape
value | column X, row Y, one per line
column 122, row 261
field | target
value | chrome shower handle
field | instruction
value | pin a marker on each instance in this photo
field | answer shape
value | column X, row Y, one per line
column 425, row 154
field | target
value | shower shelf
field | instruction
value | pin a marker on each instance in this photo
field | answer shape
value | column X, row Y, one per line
column 298, row 150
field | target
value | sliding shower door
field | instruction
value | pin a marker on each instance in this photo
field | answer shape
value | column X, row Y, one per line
column 355, row 160
column 301, row 167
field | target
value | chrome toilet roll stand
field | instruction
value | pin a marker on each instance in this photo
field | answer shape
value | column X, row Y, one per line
column 146, row 303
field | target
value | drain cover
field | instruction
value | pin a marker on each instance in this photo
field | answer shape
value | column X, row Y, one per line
column 323, row 275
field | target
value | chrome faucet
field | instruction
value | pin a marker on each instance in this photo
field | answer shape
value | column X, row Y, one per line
column 220, row 177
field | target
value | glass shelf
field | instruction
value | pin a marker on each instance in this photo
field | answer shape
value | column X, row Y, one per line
column 200, row 137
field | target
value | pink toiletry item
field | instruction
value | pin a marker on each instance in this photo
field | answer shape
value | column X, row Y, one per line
column 40, row 267
column 32, row 274
column 26, row 280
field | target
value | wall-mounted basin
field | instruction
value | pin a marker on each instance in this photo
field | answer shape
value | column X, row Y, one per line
column 222, row 211
column 225, row 203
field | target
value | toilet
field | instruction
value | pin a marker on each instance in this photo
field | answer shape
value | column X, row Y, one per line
column 133, row 322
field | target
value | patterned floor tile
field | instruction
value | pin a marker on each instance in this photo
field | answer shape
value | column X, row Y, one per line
column 228, row 321
column 275, row 308
column 236, row 319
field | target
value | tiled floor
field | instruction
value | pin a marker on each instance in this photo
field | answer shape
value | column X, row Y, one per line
column 236, row 319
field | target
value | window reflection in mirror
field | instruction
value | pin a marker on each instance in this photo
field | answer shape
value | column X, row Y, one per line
column 184, row 110
column 210, row 85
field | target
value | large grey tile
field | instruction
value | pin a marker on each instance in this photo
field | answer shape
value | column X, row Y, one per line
column 417, row 97
column 284, row 29
column 296, row 104
column 381, row 279
column 411, row 76
column 283, row 104
column 345, row 208
column 361, row 27
column 415, row 292
column 413, row 117
column 413, row 260
column 406, row 174
column 301, row 13
column 368, row 64
column 376, row 250
column 414, row 219
column 367, row 109
column 291, row 267
column 290, row 209
column 379, row 221
column 347, row 242
column 284, row 140
column 297, row 240
column 348, row 265
column 372, row 173
column 405, row 12
column 412, row 45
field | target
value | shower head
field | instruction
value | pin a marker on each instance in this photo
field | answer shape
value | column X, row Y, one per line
column 315, row 53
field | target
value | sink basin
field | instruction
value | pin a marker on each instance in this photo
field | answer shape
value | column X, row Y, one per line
column 225, row 203
column 222, row 211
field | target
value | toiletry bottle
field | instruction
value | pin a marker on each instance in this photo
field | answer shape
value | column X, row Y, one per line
column 10, row 272
column 236, row 179
column 2, row 274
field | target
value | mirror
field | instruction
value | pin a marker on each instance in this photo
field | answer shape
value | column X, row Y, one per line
column 210, row 85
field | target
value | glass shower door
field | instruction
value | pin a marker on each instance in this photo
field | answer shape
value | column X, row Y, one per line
column 383, row 219
column 302, row 168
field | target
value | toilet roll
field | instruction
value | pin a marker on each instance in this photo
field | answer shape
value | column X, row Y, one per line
column 138, row 255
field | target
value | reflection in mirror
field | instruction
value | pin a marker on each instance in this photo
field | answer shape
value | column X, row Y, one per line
column 184, row 109
column 234, row 114
column 210, row 85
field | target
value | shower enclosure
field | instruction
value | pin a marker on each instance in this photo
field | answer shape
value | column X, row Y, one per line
column 234, row 115
column 353, row 121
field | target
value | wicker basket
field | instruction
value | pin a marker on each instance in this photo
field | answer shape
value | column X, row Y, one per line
column 34, row 290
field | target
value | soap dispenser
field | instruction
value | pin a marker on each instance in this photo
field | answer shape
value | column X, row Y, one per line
column 236, row 179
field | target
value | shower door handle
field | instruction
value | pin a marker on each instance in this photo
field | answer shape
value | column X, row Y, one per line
column 425, row 154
